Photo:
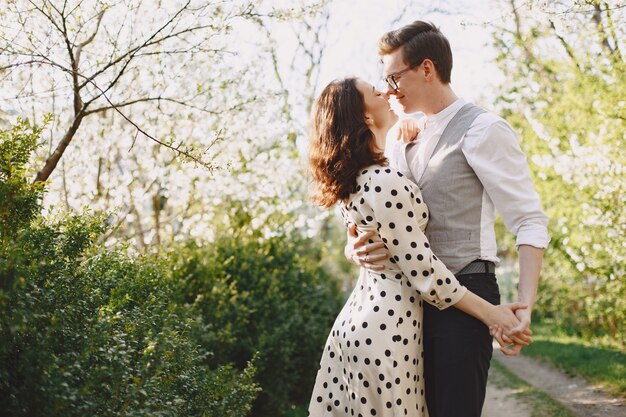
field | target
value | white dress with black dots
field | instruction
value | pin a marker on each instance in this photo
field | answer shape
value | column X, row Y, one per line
column 372, row 363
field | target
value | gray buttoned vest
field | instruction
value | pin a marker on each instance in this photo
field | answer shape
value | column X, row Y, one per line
column 454, row 195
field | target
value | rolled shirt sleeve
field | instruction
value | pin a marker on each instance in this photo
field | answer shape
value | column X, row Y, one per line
column 493, row 152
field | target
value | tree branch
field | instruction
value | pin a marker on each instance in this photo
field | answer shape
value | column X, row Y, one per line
column 90, row 39
column 568, row 49
column 611, row 26
column 273, row 56
column 170, row 100
column 523, row 43
column 112, row 230
column 176, row 149
column 59, row 15
column 148, row 42
column 53, row 159
column 597, row 18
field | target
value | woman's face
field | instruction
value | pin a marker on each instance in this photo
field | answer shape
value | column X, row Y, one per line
column 377, row 109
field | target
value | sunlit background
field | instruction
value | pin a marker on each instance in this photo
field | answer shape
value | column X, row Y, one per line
column 180, row 127
column 249, row 92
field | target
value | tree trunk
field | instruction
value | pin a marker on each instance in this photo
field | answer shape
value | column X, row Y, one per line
column 54, row 158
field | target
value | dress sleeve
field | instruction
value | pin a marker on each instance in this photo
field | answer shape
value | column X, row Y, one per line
column 394, row 208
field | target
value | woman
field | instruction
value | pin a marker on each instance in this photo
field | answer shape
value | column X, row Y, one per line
column 372, row 362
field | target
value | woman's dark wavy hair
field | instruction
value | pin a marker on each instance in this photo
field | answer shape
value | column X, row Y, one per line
column 341, row 143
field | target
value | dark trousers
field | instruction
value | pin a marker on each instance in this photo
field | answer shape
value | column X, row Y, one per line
column 457, row 352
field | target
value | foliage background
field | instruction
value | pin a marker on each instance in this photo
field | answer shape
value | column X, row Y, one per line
column 565, row 94
column 196, row 330
column 173, row 266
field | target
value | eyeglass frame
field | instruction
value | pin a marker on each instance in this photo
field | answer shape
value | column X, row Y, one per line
column 391, row 80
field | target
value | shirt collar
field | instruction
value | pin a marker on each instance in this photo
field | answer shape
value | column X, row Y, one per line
column 445, row 113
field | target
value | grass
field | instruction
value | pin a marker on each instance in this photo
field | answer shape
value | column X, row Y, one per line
column 603, row 366
column 541, row 404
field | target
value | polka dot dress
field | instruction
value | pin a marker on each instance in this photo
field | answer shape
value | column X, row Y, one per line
column 372, row 364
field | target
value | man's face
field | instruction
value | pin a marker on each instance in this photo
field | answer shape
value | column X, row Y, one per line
column 410, row 92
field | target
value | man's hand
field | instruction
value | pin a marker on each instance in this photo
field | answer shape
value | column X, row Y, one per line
column 530, row 259
column 524, row 321
column 357, row 250
column 508, row 347
column 519, row 336
column 408, row 130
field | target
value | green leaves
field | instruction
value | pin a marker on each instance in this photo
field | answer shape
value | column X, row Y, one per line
column 19, row 197
column 566, row 98
column 267, row 296
column 201, row 330
column 87, row 332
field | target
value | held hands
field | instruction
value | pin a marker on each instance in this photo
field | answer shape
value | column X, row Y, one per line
column 358, row 251
column 512, row 335
column 508, row 323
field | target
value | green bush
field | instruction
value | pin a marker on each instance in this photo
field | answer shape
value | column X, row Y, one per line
column 268, row 296
column 197, row 331
column 20, row 199
column 86, row 333
column 107, row 340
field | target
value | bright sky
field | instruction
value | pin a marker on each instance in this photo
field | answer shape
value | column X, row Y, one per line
column 356, row 26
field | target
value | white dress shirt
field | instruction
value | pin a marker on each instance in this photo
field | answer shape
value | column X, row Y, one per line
column 492, row 150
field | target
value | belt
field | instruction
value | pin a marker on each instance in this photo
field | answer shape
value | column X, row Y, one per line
column 478, row 267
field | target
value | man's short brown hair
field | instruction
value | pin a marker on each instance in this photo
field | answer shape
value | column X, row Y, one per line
column 420, row 40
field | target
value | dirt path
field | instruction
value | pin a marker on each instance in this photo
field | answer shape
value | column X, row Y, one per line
column 501, row 402
column 575, row 393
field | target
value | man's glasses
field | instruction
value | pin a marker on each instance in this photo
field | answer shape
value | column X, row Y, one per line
column 392, row 79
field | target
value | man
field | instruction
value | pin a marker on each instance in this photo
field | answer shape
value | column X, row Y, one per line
column 468, row 164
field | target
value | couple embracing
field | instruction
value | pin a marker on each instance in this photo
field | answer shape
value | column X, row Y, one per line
column 415, row 336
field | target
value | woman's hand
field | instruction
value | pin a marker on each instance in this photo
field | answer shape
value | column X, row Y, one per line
column 358, row 251
column 503, row 316
column 408, row 130
column 503, row 322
